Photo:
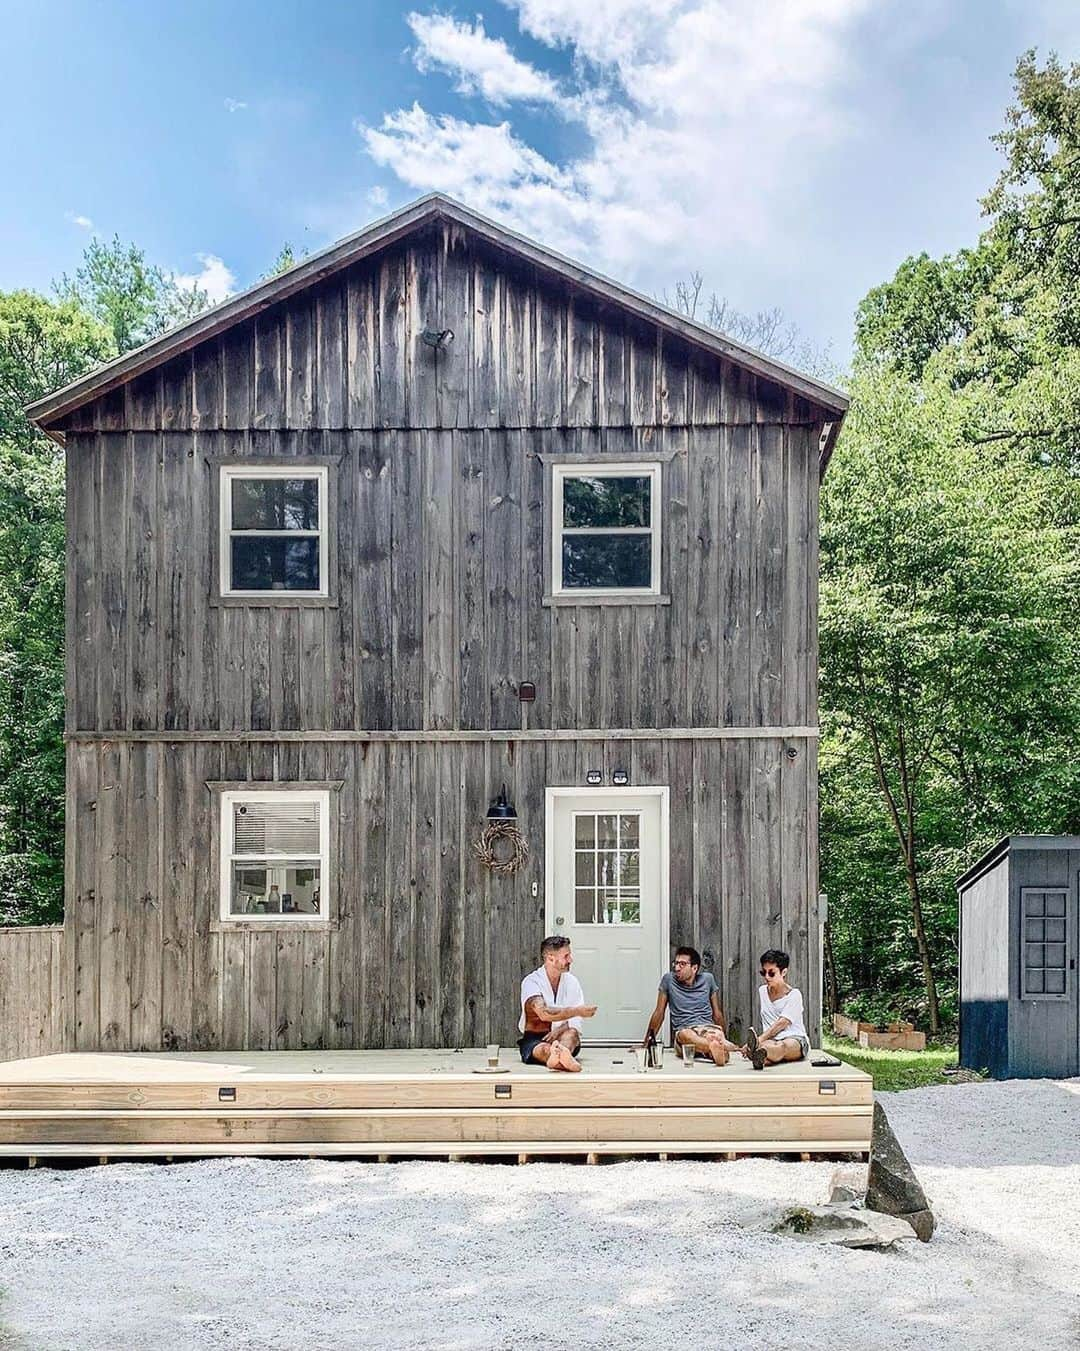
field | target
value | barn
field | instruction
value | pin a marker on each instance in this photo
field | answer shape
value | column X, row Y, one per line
column 433, row 514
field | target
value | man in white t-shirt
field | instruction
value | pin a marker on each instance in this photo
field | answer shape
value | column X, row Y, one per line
column 783, row 1025
column 552, row 1008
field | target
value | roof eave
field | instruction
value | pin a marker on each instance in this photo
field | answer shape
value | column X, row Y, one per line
column 380, row 234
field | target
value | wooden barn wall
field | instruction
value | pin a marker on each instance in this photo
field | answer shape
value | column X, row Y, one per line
column 32, row 990
column 439, row 614
column 428, row 949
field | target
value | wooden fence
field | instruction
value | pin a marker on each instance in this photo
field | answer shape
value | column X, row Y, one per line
column 31, row 991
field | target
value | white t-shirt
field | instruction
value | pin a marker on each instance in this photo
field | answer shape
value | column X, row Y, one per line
column 788, row 1006
column 568, row 995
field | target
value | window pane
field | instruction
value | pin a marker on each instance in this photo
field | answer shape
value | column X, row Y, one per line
column 1055, row 903
column 1055, row 982
column 1033, row 930
column 606, row 561
column 606, row 827
column 1034, row 903
column 585, row 831
column 280, row 888
column 607, row 501
column 1033, row 982
column 628, row 828
column 584, row 905
column 628, row 868
column 1055, row 954
column 275, row 504
column 290, row 826
column 606, row 865
column 586, row 869
column 274, row 563
column 630, row 912
column 1055, row 930
column 1033, row 954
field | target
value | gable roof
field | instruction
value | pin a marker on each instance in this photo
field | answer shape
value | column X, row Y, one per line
column 380, row 235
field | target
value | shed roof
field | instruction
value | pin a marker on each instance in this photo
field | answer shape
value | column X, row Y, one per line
column 1010, row 843
column 390, row 230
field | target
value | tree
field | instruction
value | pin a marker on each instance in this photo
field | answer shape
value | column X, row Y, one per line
column 134, row 300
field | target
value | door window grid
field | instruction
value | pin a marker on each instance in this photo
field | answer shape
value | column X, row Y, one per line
column 1044, row 943
column 259, row 556
column 607, row 868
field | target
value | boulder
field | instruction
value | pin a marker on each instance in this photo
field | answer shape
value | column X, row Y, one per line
column 844, row 1226
column 892, row 1187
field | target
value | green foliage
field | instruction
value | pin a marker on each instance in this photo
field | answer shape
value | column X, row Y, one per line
column 950, row 699
column 286, row 258
column 134, row 300
column 895, row 1070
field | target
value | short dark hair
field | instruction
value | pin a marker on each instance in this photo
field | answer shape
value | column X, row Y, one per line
column 775, row 957
column 553, row 943
column 692, row 953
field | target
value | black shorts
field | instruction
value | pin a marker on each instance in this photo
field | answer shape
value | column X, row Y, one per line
column 530, row 1041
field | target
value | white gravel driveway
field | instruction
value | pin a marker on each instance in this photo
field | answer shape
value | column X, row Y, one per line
column 245, row 1253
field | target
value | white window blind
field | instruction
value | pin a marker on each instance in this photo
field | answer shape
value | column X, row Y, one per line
column 285, row 828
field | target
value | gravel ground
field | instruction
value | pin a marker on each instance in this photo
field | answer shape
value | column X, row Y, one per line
column 246, row 1253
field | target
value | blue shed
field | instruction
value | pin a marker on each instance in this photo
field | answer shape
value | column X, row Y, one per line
column 1018, row 946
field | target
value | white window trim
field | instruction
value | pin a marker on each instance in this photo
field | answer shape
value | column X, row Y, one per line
column 229, row 856
column 559, row 474
column 226, row 532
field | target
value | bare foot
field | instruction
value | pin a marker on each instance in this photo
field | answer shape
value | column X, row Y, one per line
column 561, row 1059
column 718, row 1051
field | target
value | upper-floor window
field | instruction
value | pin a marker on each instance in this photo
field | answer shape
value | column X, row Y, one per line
column 606, row 529
column 273, row 530
column 275, row 854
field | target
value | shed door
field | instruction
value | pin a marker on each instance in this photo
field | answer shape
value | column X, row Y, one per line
column 607, row 893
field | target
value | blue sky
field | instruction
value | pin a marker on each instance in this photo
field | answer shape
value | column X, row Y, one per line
column 794, row 151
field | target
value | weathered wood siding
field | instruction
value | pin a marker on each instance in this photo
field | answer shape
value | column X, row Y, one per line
column 437, row 616
column 32, row 988
column 427, row 947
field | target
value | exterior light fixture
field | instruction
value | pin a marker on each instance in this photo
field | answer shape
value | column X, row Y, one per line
column 620, row 777
column 594, row 776
column 440, row 339
column 526, row 691
column 502, row 809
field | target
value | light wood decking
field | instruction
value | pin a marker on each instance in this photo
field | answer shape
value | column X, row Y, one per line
column 394, row 1103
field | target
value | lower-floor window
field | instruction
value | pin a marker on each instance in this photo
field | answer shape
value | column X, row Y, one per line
column 275, row 854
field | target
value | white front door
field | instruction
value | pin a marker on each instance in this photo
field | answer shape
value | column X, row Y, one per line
column 607, row 891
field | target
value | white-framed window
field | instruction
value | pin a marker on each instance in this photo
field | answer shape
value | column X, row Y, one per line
column 607, row 868
column 275, row 855
column 605, row 529
column 273, row 530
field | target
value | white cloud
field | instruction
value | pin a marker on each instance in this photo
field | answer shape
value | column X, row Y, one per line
column 704, row 122
column 234, row 105
column 83, row 222
column 482, row 65
column 377, row 196
column 215, row 278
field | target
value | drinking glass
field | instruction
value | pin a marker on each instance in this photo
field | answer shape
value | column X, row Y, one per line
column 688, row 1053
column 493, row 1056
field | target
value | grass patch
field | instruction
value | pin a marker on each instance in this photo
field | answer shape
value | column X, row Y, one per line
column 894, row 1070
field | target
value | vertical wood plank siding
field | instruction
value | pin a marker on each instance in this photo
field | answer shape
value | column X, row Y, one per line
column 435, row 617
column 426, row 948
column 33, row 982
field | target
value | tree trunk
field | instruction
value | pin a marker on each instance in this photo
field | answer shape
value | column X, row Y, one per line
column 915, row 897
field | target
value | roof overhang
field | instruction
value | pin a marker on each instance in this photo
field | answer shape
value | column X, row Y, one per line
column 381, row 235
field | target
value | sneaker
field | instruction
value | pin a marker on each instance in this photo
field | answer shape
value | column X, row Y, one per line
column 757, row 1055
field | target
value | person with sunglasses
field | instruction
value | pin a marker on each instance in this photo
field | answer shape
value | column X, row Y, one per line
column 783, row 1026
column 694, row 999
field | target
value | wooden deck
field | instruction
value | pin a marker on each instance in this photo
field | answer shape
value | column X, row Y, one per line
column 416, row 1103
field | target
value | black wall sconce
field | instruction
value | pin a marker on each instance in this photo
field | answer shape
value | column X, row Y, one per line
column 526, row 692
column 594, row 777
column 620, row 777
column 502, row 809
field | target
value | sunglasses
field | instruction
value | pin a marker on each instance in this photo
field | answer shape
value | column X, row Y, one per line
column 767, row 973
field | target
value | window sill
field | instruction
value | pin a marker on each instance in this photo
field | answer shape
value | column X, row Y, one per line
column 630, row 598
column 249, row 925
column 277, row 598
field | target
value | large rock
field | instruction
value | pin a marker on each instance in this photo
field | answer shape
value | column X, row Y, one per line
column 892, row 1187
column 843, row 1226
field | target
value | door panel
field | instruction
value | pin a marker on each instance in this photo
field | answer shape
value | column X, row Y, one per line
column 606, row 892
